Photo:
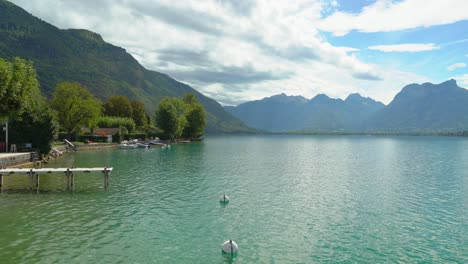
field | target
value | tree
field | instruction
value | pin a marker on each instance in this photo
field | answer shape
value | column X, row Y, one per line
column 31, row 120
column 118, row 106
column 189, row 99
column 19, row 88
column 195, row 116
column 169, row 117
column 76, row 106
column 139, row 113
column 178, row 118
column 38, row 128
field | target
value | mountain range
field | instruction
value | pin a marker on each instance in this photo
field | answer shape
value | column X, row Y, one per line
column 83, row 56
column 79, row 55
column 417, row 107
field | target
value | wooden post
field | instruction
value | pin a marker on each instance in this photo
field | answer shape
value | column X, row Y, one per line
column 31, row 175
column 72, row 181
column 106, row 178
column 67, row 174
column 37, row 181
column 1, row 182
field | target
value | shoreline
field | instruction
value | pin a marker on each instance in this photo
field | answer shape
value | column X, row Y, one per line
column 350, row 133
column 60, row 150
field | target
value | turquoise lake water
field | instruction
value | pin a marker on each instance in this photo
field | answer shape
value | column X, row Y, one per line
column 294, row 199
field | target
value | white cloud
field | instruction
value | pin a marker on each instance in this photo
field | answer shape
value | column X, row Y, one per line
column 409, row 47
column 233, row 51
column 386, row 15
column 462, row 80
column 456, row 65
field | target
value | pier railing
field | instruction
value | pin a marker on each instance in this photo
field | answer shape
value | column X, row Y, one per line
column 34, row 175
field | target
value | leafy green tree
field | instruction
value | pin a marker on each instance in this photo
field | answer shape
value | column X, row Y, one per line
column 169, row 117
column 195, row 116
column 118, row 106
column 30, row 119
column 76, row 107
column 19, row 88
column 190, row 99
column 139, row 113
column 178, row 118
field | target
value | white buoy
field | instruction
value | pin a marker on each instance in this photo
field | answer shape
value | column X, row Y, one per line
column 224, row 199
column 229, row 248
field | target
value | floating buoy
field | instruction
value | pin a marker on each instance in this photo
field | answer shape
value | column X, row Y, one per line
column 224, row 199
column 229, row 248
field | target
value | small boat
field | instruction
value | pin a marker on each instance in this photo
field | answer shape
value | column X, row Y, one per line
column 157, row 144
column 127, row 146
column 141, row 145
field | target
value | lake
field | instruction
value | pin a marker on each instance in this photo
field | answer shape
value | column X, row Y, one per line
column 293, row 199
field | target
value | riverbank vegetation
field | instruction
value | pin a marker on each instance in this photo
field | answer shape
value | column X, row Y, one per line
column 74, row 113
column 180, row 118
column 29, row 117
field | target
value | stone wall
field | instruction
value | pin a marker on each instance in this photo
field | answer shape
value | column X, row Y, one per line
column 12, row 159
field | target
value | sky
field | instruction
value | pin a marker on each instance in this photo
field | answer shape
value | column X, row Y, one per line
column 241, row 50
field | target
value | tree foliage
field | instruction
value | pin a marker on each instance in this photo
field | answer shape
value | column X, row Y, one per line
column 30, row 119
column 195, row 116
column 168, row 117
column 38, row 128
column 178, row 118
column 76, row 106
column 118, row 106
column 139, row 113
column 116, row 122
column 19, row 88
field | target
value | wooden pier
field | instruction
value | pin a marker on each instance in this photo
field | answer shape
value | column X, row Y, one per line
column 34, row 175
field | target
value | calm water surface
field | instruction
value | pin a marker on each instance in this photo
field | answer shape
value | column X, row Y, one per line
column 299, row 199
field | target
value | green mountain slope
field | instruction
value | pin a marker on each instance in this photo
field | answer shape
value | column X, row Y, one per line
column 83, row 56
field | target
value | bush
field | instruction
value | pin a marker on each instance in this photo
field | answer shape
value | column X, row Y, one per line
column 116, row 122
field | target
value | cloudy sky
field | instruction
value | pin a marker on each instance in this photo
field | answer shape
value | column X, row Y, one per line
column 241, row 50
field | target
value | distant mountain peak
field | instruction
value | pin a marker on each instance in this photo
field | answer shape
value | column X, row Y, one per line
column 428, row 88
column 451, row 82
column 354, row 96
column 281, row 95
column 321, row 97
column 357, row 98
column 283, row 98
column 426, row 106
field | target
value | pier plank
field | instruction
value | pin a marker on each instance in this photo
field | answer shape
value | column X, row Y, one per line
column 6, row 172
column 68, row 172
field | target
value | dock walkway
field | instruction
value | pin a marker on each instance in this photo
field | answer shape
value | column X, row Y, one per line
column 34, row 175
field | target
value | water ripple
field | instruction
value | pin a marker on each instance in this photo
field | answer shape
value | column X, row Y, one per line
column 293, row 200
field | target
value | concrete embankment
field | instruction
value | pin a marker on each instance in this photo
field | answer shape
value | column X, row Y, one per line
column 15, row 159
column 30, row 159
column 96, row 146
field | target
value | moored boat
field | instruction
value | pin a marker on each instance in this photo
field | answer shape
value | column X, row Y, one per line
column 127, row 146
